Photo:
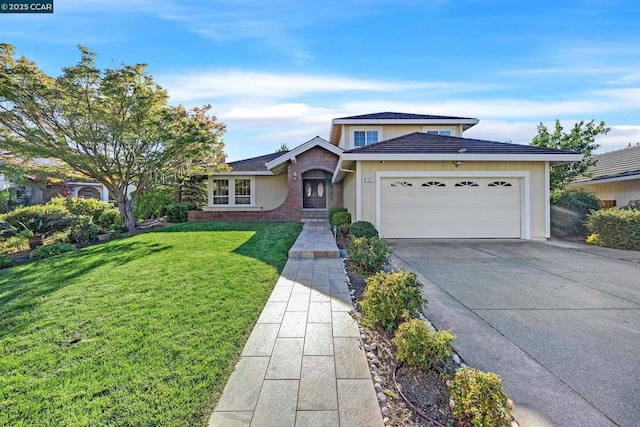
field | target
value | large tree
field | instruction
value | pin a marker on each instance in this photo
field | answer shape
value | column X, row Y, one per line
column 113, row 125
column 581, row 138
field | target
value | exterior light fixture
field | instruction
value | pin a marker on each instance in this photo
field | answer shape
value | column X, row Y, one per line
column 457, row 162
column 295, row 176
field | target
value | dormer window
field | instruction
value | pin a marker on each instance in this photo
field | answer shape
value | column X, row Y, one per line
column 439, row 132
column 364, row 137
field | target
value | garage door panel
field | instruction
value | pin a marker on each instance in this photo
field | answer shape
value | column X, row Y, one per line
column 492, row 209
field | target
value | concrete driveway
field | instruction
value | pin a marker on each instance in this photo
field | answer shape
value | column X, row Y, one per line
column 560, row 323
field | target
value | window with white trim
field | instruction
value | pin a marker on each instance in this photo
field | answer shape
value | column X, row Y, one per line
column 439, row 132
column 364, row 137
column 232, row 192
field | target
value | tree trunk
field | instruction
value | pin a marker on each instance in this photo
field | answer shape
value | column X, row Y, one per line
column 125, row 206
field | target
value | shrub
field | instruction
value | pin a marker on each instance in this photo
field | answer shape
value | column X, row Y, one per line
column 14, row 245
column 340, row 220
column 7, row 230
column 84, row 230
column 177, row 212
column 153, row 203
column 80, row 206
column 334, row 210
column 363, row 229
column 42, row 252
column 368, row 255
column 6, row 262
column 110, row 220
column 477, row 399
column 633, row 204
column 389, row 297
column 418, row 346
column 616, row 228
column 40, row 219
column 569, row 210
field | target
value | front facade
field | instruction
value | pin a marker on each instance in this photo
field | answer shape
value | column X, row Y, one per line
column 615, row 177
column 412, row 176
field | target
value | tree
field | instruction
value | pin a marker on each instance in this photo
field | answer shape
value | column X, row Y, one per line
column 111, row 125
column 581, row 138
column 283, row 148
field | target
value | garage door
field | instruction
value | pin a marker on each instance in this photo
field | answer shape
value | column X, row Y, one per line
column 450, row 208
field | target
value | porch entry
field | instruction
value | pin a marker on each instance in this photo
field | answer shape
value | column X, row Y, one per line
column 314, row 190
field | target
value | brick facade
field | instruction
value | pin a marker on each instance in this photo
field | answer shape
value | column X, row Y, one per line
column 291, row 209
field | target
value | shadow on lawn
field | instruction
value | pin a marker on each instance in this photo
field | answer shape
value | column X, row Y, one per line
column 22, row 287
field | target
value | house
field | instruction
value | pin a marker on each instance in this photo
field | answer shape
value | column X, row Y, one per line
column 615, row 177
column 411, row 175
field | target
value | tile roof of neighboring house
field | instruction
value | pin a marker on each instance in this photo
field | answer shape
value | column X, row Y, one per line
column 422, row 143
column 399, row 116
column 615, row 164
column 254, row 164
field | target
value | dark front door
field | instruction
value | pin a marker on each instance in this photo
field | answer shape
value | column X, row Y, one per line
column 314, row 194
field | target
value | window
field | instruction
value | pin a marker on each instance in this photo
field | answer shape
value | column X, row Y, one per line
column 243, row 191
column 433, row 184
column 231, row 192
column 400, row 184
column 499, row 184
column 220, row 191
column 364, row 137
column 439, row 132
column 467, row 184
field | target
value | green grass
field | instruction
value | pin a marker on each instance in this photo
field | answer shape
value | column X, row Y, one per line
column 143, row 330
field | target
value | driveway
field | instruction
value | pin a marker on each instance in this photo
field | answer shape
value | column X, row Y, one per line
column 560, row 325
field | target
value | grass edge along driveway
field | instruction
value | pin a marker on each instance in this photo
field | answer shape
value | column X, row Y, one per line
column 143, row 330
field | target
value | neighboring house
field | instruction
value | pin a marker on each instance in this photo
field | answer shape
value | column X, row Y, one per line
column 411, row 175
column 615, row 177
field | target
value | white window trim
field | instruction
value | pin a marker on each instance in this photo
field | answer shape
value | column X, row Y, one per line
column 525, row 189
column 232, row 190
column 452, row 131
column 353, row 130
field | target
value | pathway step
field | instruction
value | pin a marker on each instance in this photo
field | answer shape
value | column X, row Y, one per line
column 315, row 243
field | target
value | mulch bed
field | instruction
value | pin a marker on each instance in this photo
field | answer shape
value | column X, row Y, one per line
column 426, row 390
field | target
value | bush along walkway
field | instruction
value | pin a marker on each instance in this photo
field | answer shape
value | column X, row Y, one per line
column 304, row 363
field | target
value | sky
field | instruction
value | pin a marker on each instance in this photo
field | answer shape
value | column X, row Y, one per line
column 278, row 71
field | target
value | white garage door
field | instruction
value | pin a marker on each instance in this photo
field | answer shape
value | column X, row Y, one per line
column 450, row 208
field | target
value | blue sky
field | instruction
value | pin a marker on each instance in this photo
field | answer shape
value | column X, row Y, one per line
column 279, row 71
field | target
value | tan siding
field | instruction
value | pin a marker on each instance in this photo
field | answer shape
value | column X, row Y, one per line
column 621, row 191
column 394, row 131
column 349, row 200
column 537, row 182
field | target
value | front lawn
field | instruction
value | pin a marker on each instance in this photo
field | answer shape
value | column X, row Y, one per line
column 143, row 330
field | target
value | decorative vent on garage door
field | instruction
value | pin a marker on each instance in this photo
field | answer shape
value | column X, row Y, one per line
column 400, row 184
column 466, row 184
column 433, row 184
column 499, row 184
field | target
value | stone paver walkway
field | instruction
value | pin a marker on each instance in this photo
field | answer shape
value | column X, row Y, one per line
column 303, row 364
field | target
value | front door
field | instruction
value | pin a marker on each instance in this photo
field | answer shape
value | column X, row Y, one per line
column 314, row 194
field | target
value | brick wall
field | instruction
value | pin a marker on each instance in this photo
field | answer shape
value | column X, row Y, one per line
column 291, row 208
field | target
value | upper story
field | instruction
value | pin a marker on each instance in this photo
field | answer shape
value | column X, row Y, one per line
column 358, row 131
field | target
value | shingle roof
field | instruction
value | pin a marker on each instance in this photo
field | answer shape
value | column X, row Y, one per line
column 255, row 164
column 401, row 116
column 615, row 164
column 422, row 143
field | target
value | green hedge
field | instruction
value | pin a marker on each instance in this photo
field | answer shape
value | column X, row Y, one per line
column 363, row 229
column 615, row 228
column 42, row 252
column 40, row 219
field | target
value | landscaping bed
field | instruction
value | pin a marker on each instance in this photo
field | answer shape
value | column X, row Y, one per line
column 427, row 391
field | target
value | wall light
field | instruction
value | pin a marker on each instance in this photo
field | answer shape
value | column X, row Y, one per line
column 295, row 176
column 457, row 162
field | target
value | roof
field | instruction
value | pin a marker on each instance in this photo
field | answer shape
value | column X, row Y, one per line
column 401, row 116
column 255, row 164
column 390, row 118
column 616, row 165
column 278, row 164
column 423, row 143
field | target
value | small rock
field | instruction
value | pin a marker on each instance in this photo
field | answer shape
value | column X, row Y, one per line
column 374, row 346
column 374, row 361
column 381, row 397
column 385, row 421
column 385, row 412
column 376, row 379
column 431, row 328
column 363, row 336
column 371, row 355
column 366, row 347
column 421, row 317
column 374, row 368
column 378, row 388
column 456, row 358
column 464, row 365
column 369, row 362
